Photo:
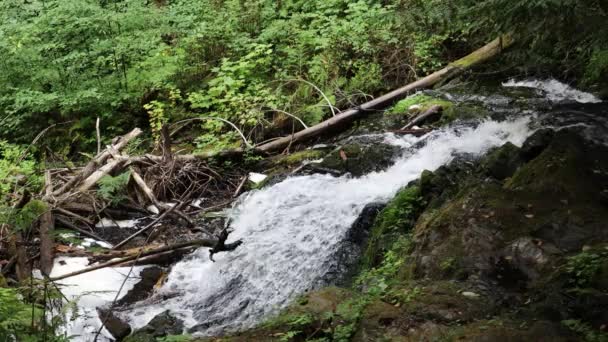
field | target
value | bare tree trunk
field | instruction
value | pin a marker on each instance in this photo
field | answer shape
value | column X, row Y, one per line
column 47, row 228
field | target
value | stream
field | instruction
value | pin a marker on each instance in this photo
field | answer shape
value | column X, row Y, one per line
column 293, row 231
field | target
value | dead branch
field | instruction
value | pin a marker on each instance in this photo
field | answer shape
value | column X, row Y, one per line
column 100, row 159
column 433, row 113
column 66, row 223
column 144, row 253
column 132, row 236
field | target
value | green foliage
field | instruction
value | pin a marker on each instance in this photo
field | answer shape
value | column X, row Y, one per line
column 175, row 338
column 394, row 221
column 114, row 189
column 75, row 60
column 401, row 211
column 22, row 321
column 585, row 330
column 24, row 218
column 237, row 93
column 130, row 62
column 376, row 281
column 567, row 34
column 15, row 315
column 17, row 170
column 584, row 266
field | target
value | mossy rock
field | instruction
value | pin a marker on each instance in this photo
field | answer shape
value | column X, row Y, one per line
column 297, row 158
column 140, row 337
column 502, row 162
column 302, row 318
column 359, row 159
column 423, row 101
column 555, row 200
column 505, row 330
column 451, row 110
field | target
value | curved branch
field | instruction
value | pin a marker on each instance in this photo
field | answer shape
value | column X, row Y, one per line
column 331, row 107
column 289, row 114
column 220, row 119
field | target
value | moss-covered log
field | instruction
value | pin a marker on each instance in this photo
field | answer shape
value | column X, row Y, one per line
column 481, row 55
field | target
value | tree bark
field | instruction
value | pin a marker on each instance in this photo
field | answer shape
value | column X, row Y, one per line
column 92, row 179
column 47, row 228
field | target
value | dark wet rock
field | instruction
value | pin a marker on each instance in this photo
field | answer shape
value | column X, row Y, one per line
column 502, row 162
column 116, row 326
column 359, row 231
column 350, row 250
column 142, row 289
column 536, row 143
column 359, row 159
column 161, row 325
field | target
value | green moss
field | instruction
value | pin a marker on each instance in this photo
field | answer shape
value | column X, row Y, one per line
column 396, row 219
column 298, row 157
column 140, row 337
column 424, row 101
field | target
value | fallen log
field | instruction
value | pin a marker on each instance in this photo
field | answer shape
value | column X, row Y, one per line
column 96, row 162
column 144, row 253
column 432, row 113
column 92, row 179
column 479, row 56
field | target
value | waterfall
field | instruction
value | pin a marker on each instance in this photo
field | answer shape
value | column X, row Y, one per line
column 291, row 232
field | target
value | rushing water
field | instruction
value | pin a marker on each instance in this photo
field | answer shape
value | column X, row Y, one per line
column 291, row 232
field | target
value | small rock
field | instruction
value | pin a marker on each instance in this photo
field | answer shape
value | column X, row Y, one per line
column 469, row 294
column 414, row 109
column 529, row 216
column 256, row 177
column 117, row 327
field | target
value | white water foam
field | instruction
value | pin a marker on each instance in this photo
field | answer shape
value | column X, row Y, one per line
column 89, row 291
column 292, row 230
column 555, row 90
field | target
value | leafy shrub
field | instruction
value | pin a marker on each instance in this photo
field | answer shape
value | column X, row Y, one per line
column 585, row 330
column 114, row 189
column 584, row 266
column 21, row 321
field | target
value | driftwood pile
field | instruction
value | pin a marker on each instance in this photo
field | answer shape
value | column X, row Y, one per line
column 160, row 186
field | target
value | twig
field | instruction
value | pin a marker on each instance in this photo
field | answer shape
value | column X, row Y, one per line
column 240, row 187
column 97, row 129
column 291, row 115
column 125, row 241
column 72, row 226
